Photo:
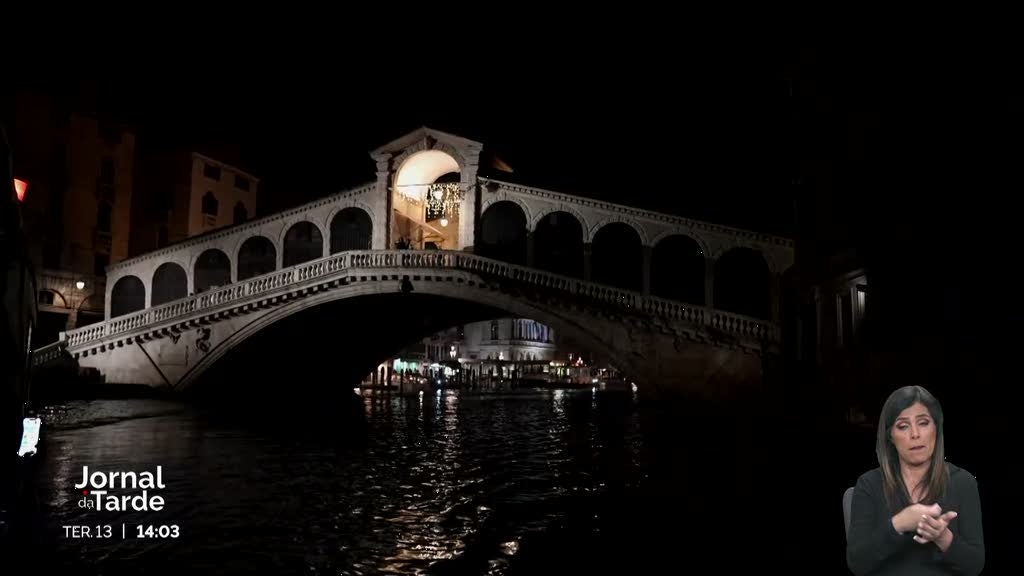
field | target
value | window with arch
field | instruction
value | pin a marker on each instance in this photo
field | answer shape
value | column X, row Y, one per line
column 210, row 204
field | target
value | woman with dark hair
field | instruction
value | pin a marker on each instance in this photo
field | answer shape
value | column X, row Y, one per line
column 915, row 513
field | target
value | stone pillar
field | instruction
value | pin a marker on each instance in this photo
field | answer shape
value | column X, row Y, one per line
column 645, row 286
column 144, row 273
column 530, row 248
column 587, row 251
column 381, row 204
column 470, row 200
column 390, row 374
column 709, row 282
column 72, row 322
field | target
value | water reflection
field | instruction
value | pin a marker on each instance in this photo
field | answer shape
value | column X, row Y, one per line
column 457, row 484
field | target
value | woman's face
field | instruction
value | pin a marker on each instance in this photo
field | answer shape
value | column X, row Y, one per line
column 914, row 435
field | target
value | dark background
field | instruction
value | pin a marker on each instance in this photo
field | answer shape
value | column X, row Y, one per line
column 904, row 155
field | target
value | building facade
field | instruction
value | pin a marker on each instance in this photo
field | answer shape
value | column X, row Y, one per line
column 495, row 349
column 188, row 194
column 79, row 169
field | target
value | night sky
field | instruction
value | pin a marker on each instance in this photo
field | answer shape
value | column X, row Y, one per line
column 905, row 155
column 695, row 137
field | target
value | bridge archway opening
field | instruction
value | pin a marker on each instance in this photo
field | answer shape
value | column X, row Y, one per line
column 617, row 256
column 678, row 270
column 127, row 296
column 170, row 282
column 743, row 283
column 558, row 244
column 331, row 346
column 351, row 229
column 212, row 269
column 302, row 243
column 503, row 233
column 425, row 201
column 256, row 256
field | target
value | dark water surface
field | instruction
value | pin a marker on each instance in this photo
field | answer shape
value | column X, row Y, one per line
column 525, row 483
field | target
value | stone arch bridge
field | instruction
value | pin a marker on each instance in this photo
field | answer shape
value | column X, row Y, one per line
column 672, row 301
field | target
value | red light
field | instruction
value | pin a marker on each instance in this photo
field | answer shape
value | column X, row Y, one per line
column 20, row 186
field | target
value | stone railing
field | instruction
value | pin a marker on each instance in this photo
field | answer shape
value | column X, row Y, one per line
column 48, row 353
column 430, row 260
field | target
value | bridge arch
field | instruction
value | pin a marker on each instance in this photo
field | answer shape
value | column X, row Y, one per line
column 210, row 269
column 351, row 229
column 678, row 269
column 766, row 254
column 743, row 283
column 523, row 206
column 127, row 296
column 416, row 170
column 617, row 256
column 256, row 256
column 503, row 230
column 641, row 232
column 558, row 239
column 702, row 243
column 503, row 304
column 302, row 241
column 170, row 282
column 93, row 301
column 545, row 212
column 55, row 296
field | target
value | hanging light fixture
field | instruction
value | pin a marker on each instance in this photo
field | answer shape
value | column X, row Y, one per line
column 443, row 200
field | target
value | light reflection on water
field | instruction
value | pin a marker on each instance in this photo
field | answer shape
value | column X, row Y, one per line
column 455, row 484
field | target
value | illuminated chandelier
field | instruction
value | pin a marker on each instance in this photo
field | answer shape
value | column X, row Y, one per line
column 443, row 201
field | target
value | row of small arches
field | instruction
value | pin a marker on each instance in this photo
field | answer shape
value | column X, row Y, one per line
column 351, row 229
column 741, row 279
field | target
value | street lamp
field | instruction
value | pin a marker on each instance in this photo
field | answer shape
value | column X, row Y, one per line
column 80, row 285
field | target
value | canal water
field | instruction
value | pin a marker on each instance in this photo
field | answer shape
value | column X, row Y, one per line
column 523, row 482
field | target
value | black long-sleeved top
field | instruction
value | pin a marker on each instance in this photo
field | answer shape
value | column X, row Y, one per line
column 875, row 547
